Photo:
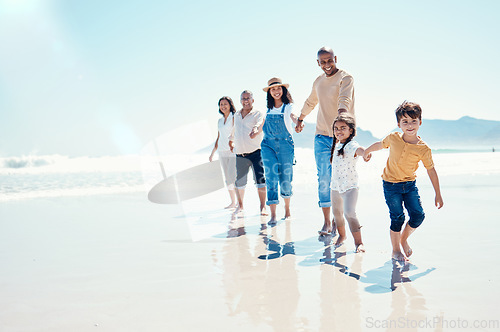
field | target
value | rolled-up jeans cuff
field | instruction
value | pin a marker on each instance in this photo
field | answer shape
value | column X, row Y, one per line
column 325, row 204
column 272, row 202
column 260, row 185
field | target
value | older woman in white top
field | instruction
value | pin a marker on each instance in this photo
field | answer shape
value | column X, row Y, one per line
column 226, row 157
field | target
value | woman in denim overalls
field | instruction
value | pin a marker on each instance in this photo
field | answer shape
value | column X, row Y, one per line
column 277, row 147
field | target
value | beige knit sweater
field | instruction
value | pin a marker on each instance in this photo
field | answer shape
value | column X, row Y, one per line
column 331, row 93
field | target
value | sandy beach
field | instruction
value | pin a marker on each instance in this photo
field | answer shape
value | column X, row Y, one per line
column 121, row 263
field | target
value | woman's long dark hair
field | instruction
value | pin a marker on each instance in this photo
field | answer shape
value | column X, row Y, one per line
column 351, row 123
column 286, row 98
column 232, row 109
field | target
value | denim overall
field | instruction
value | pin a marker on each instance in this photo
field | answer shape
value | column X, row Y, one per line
column 277, row 151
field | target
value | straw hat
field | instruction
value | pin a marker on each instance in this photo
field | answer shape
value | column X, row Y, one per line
column 275, row 81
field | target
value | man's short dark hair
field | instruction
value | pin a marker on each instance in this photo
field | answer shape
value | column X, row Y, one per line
column 325, row 50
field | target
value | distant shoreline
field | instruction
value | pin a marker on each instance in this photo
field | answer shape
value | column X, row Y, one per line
column 464, row 150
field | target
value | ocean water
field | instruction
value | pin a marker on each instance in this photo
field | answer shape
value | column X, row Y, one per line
column 28, row 177
column 55, row 176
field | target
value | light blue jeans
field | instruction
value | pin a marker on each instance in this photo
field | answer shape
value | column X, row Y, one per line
column 322, row 152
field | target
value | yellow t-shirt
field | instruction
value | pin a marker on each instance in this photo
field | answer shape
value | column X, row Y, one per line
column 404, row 157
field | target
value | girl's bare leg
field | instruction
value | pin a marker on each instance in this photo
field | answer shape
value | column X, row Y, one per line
column 341, row 231
column 272, row 207
column 287, row 208
column 358, row 242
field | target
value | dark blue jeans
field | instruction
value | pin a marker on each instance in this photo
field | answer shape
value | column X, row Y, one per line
column 243, row 164
column 399, row 193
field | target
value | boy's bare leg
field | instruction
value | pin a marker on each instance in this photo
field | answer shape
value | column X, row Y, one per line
column 287, row 208
column 262, row 198
column 272, row 207
column 404, row 240
column 341, row 239
column 358, row 242
column 396, row 246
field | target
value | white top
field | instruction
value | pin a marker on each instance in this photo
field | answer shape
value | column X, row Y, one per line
column 344, row 174
column 286, row 115
column 225, row 130
column 242, row 128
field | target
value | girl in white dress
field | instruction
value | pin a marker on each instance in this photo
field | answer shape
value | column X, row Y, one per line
column 345, row 152
column 226, row 157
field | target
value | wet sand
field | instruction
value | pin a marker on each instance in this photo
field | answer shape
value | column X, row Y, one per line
column 121, row 263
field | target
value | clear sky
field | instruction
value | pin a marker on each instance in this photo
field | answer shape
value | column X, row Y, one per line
column 93, row 77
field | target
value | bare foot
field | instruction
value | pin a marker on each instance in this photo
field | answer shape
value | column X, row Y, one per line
column 398, row 255
column 360, row 248
column 238, row 212
column 288, row 215
column 272, row 221
column 340, row 241
column 263, row 211
column 326, row 230
column 406, row 248
column 334, row 228
column 231, row 206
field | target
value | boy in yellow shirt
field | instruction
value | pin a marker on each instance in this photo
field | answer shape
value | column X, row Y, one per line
column 406, row 150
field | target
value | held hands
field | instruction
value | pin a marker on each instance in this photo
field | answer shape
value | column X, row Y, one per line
column 231, row 145
column 367, row 156
column 254, row 133
column 299, row 126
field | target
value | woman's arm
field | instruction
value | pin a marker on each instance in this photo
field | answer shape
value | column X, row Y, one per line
column 215, row 148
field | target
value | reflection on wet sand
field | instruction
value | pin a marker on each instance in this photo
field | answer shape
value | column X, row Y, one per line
column 407, row 304
column 399, row 274
column 337, row 285
column 281, row 282
column 263, row 288
column 260, row 276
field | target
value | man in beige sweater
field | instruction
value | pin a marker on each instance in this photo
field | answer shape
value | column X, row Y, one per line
column 334, row 92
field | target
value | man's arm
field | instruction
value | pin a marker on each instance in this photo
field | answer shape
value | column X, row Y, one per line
column 256, row 130
column 346, row 94
column 438, row 201
column 259, row 123
column 309, row 105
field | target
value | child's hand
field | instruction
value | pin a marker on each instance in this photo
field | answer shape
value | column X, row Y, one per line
column 367, row 156
column 438, row 201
